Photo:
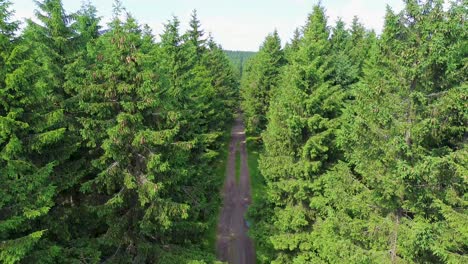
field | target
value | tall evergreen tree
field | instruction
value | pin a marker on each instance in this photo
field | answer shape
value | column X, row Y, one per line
column 223, row 80
column 262, row 75
column 300, row 144
column 394, row 140
column 71, row 223
column 47, row 45
column 120, row 97
column 360, row 41
column 291, row 48
column 204, row 90
column 86, row 24
column 343, row 71
column 195, row 35
column 53, row 43
column 173, row 60
column 8, row 29
column 28, row 129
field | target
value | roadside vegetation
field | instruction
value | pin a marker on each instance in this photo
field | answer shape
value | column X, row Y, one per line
column 111, row 144
column 363, row 153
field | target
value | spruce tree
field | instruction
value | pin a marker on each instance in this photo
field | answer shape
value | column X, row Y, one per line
column 86, row 25
column 195, row 35
column 291, row 48
column 204, row 119
column 131, row 132
column 300, row 144
column 343, row 72
column 26, row 188
column 71, row 223
column 223, row 80
column 258, row 83
column 8, row 29
column 50, row 49
column 360, row 42
column 54, row 42
column 393, row 138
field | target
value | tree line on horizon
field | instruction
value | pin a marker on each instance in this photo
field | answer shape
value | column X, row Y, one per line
column 363, row 139
column 109, row 140
column 239, row 59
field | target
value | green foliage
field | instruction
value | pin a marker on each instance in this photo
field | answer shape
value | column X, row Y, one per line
column 31, row 128
column 14, row 250
column 134, row 143
column 108, row 141
column 365, row 145
column 259, row 81
column 299, row 140
column 390, row 135
column 239, row 60
column 258, row 198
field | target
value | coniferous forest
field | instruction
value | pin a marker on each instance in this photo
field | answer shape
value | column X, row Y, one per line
column 239, row 59
column 364, row 138
column 113, row 140
column 109, row 140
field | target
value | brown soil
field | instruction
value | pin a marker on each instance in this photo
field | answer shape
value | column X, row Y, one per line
column 233, row 245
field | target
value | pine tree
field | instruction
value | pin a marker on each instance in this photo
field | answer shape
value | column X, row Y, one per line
column 204, row 118
column 52, row 44
column 344, row 72
column 71, row 222
column 291, row 48
column 261, row 77
column 199, row 91
column 8, row 30
column 50, row 50
column 223, row 80
column 173, row 60
column 86, row 25
column 195, row 34
column 26, row 189
column 393, row 138
column 128, row 125
column 300, row 144
column 360, row 41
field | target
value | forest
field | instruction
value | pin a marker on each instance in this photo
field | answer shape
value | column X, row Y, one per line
column 114, row 141
column 362, row 139
column 239, row 59
column 109, row 141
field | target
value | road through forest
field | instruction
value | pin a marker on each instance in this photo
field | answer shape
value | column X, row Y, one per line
column 233, row 245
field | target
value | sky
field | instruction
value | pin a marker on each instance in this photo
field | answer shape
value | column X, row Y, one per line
column 235, row 24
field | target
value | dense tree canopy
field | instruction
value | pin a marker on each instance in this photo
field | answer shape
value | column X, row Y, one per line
column 239, row 59
column 258, row 82
column 365, row 143
column 108, row 139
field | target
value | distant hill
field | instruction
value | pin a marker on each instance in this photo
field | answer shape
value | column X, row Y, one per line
column 239, row 58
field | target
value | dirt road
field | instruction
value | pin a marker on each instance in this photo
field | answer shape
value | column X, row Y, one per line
column 233, row 245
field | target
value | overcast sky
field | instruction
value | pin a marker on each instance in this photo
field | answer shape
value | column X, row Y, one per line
column 235, row 24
